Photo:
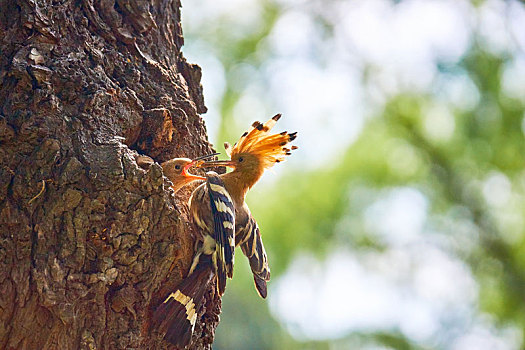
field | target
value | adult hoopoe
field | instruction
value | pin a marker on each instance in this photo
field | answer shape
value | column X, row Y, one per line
column 256, row 151
column 177, row 314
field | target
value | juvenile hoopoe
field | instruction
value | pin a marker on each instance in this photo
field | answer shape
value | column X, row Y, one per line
column 176, row 170
column 177, row 314
column 256, row 151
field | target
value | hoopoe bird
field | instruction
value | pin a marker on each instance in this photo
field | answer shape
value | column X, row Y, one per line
column 177, row 314
column 219, row 210
column 255, row 152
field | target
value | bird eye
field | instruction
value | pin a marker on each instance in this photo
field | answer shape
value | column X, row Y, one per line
column 241, row 159
column 177, row 167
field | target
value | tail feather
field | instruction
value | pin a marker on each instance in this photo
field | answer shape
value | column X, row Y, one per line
column 177, row 314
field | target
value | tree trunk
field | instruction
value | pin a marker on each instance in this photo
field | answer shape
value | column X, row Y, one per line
column 92, row 237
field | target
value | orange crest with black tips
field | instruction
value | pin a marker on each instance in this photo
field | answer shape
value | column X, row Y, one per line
column 270, row 149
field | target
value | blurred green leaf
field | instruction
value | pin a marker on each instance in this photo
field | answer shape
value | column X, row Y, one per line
column 319, row 210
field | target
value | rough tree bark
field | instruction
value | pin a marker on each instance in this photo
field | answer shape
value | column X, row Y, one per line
column 90, row 237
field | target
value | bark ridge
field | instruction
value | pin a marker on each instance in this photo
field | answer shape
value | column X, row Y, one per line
column 91, row 237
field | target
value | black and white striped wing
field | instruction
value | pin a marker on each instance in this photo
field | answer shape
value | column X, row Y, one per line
column 252, row 246
column 223, row 213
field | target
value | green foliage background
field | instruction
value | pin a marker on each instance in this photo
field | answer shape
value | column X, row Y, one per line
column 316, row 210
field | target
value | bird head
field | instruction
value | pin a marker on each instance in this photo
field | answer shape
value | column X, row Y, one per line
column 257, row 150
column 176, row 170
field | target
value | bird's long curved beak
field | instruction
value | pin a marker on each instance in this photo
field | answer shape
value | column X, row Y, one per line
column 206, row 156
column 196, row 162
column 214, row 163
